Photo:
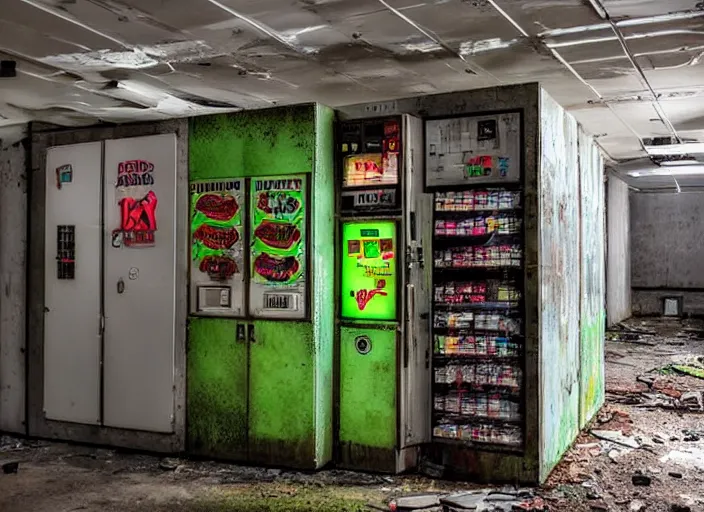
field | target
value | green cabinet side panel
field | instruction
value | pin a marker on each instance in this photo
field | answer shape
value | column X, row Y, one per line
column 593, row 277
column 281, row 393
column 217, row 389
column 323, row 266
column 247, row 144
column 290, row 363
column 368, row 388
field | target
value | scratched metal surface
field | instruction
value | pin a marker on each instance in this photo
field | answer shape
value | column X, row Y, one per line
column 560, row 279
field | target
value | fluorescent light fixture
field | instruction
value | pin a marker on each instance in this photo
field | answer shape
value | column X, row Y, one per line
column 678, row 163
column 676, row 149
column 684, row 170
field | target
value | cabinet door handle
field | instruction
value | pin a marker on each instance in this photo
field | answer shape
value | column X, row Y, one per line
column 250, row 333
column 239, row 336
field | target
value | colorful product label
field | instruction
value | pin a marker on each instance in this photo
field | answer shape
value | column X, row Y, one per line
column 216, row 227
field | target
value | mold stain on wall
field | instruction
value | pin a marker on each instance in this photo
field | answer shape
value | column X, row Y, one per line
column 560, row 274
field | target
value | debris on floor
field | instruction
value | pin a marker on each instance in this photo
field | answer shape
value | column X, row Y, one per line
column 626, row 333
column 11, row 467
column 650, row 430
column 486, row 500
column 694, row 371
column 616, row 437
column 693, row 458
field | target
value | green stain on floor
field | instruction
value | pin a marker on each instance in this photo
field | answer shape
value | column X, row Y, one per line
column 693, row 371
column 291, row 501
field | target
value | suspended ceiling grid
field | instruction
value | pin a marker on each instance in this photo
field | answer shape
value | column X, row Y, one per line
column 627, row 69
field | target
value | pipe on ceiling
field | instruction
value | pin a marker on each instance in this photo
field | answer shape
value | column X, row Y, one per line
column 476, row 69
column 576, row 74
column 601, row 11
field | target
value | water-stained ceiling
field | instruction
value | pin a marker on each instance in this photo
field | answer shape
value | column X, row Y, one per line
column 627, row 69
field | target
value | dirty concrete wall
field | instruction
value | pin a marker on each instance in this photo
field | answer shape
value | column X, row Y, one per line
column 13, row 254
column 592, row 310
column 559, row 268
column 667, row 250
column 618, row 260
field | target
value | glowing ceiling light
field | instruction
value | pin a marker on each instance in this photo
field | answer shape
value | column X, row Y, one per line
column 685, row 148
column 684, row 170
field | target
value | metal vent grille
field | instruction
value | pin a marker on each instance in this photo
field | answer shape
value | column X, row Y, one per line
column 66, row 252
column 281, row 301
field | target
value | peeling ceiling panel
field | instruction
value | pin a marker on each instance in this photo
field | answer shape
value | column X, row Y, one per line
column 621, row 148
column 181, row 14
column 459, row 23
column 611, row 79
column 686, row 114
column 672, row 61
column 519, row 63
column 29, row 92
column 124, row 60
column 600, row 120
column 686, row 77
column 19, row 39
column 600, row 50
column 537, row 17
column 642, row 117
column 53, row 22
column 641, row 8
column 115, row 19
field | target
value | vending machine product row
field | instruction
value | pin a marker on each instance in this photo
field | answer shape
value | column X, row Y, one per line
column 473, row 164
column 477, row 327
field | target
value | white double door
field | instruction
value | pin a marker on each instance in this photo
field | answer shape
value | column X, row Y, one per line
column 109, row 288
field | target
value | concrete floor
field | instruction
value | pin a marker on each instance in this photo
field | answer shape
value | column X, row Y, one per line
column 642, row 402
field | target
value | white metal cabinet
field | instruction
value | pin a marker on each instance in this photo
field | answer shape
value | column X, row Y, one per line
column 72, row 304
column 140, row 286
column 415, row 372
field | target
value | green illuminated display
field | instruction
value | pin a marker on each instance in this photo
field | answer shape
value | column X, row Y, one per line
column 369, row 270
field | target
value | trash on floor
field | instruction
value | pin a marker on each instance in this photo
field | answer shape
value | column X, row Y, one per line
column 616, row 437
column 693, row 458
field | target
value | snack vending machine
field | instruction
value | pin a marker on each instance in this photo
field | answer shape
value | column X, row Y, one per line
column 384, row 241
column 249, row 262
column 473, row 164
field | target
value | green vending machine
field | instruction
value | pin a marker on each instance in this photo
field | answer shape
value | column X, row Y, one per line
column 384, row 240
column 261, row 322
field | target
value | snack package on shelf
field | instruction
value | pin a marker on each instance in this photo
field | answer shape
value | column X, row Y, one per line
column 507, row 435
column 477, row 200
column 503, row 224
column 493, row 256
column 471, row 345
